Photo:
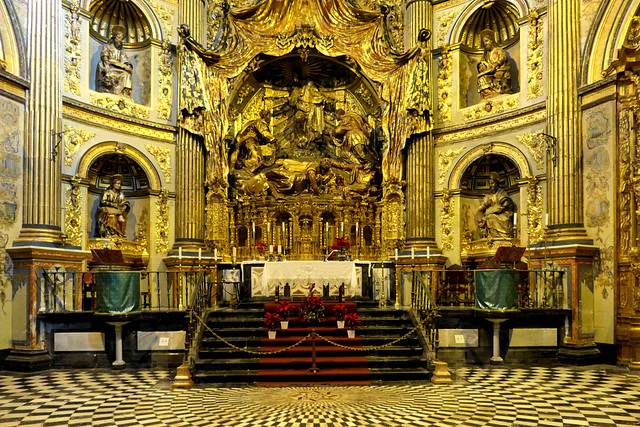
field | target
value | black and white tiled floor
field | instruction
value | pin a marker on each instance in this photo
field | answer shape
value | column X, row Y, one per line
column 500, row 396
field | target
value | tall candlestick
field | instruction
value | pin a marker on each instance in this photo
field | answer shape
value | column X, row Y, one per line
column 199, row 255
column 180, row 253
column 413, row 253
column 428, row 252
column 282, row 237
column 253, row 227
column 515, row 218
column 342, row 229
column 234, row 251
column 215, row 254
column 396, row 254
column 270, row 249
column 268, row 229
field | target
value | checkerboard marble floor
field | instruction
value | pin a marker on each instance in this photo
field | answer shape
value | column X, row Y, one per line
column 497, row 396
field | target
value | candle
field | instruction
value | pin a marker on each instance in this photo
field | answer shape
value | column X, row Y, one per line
column 234, row 254
column 413, row 253
column 180, row 253
column 515, row 218
column 280, row 249
column 215, row 254
column 396, row 254
column 199, row 255
column 253, row 227
column 270, row 249
column 357, row 225
column 428, row 252
column 342, row 229
column 268, row 229
column 546, row 219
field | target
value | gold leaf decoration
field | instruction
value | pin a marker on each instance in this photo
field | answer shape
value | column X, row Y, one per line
column 73, row 214
column 73, row 139
column 163, row 157
column 446, row 218
column 162, row 224
column 444, row 162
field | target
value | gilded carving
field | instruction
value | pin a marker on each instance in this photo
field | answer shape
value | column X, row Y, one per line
column 119, row 104
column 165, row 81
column 446, row 218
column 534, row 210
column 466, row 237
column 493, row 128
column 73, row 214
column 166, row 17
column 73, row 138
column 624, row 160
column 490, row 106
column 534, row 56
column 163, row 157
column 536, row 145
column 444, row 24
column 393, row 216
column 3, row 64
column 445, row 85
column 304, row 37
column 73, row 53
column 218, row 223
column 142, row 225
column 444, row 162
column 162, row 223
column 624, row 289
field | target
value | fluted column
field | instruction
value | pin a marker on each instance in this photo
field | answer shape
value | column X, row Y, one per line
column 565, row 201
column 190, row 198
column 41, row 214
column 420, row 201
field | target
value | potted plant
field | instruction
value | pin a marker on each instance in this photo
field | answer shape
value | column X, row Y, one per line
column 285, row 309
column 340, row 310
column 261, row 248
column 313, row 310
column 341, row 245
column 271, row 321
column 352, row 321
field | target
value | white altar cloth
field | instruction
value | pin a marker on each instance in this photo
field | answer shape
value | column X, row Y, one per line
column 300, row 274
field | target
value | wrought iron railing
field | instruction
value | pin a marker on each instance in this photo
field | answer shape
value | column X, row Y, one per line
column 75, row 291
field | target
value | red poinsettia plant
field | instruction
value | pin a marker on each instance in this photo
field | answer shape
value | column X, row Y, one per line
column 341, row 244
column 285, row 309
column 351, row 320
column 340, row 310
column 313, row 310
column 261, row 247
column 271, row 320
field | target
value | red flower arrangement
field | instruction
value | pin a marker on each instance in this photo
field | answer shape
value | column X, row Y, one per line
column 271, row 320
column 260, row 247
column 340, row 310
column 313, row 310
column 351, row 320
column 341, row 244
column 285, row 309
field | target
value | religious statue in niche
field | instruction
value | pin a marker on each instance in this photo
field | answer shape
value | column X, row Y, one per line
column 494, row 216
column 115, row 70
column 353, row 135
column 255, row 145
column 308, row 120
column 112, row 211
column 494, row 70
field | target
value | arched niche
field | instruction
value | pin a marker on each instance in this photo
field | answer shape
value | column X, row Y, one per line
column 501, row 17
column 11, row 44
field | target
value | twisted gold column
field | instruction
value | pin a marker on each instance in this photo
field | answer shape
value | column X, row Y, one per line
column 565, row 204
column 41, row 214
column 190, row 170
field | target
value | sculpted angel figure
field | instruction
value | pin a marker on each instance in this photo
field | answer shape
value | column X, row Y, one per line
column 353, row 134
column 251, row 151
column 115, row 70
column 494, row 216
column 494, row 70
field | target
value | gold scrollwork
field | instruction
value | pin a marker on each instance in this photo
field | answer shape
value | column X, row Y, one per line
column 445, row 85
column 166, row 16
column 535, row 61
column 73, row 53
column 73, row 214
column 163, row 157
column 625, row 179
column 444, row 24
column 466, row 237
column 444, row 162
column 218, row 223
column 73, row 139
column 492, row 106
column 119, row 104
column 162, row 223
column 446, row 218
column 534, row 210
column 535, row 144
column 165, row 81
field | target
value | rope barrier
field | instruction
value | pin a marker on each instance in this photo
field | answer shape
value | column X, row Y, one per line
column 368, row 348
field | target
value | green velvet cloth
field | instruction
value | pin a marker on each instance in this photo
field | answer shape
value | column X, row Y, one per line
column 497, row 289
column 117, row 292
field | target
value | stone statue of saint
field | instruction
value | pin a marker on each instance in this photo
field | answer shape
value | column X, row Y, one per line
column 308, row 119
column 114, row 71
column 494, row 216
column 494, row 70
column 112, row 211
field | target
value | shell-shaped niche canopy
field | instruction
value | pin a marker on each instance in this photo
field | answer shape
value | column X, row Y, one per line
column 500, row 16
column 108, row 14
column 103, row 168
